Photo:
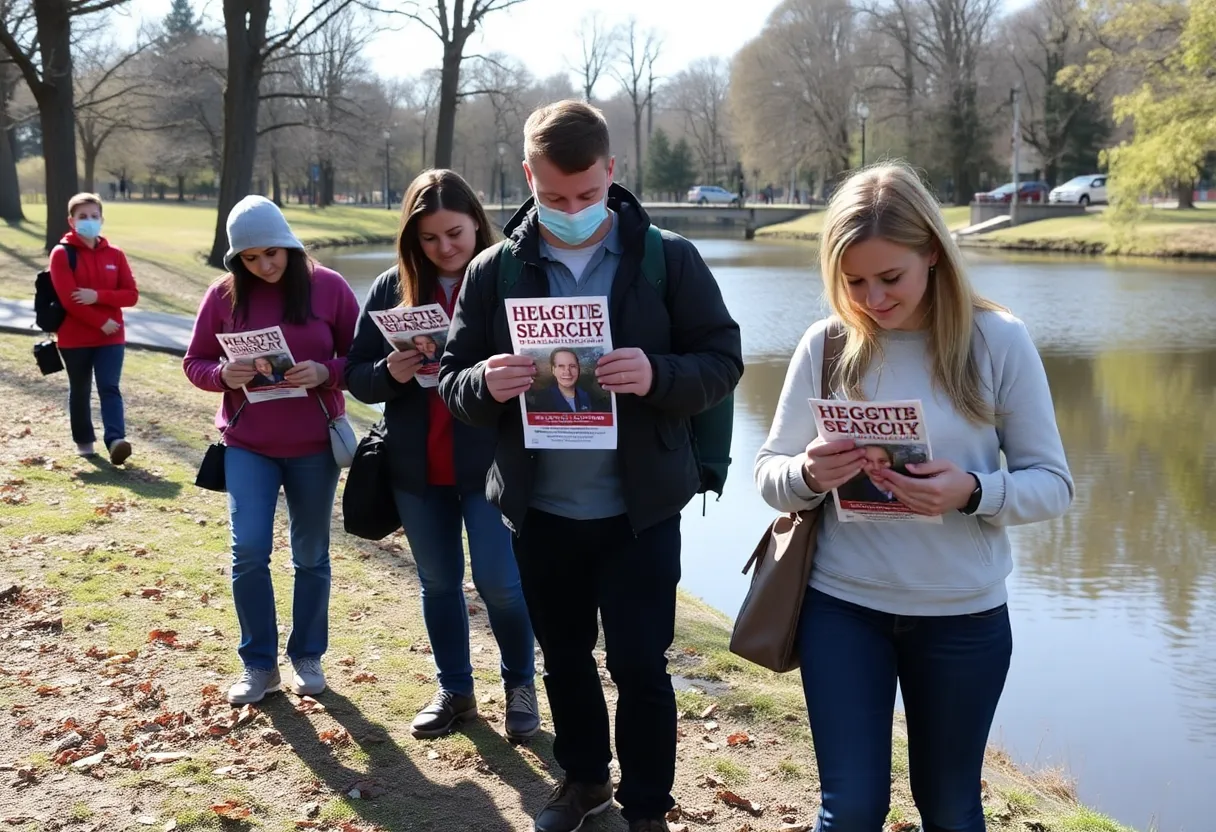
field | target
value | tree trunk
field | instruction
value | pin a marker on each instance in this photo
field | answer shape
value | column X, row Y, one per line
column 10, row 185
column 637, row 148
column 1186, row 194
column 327, row 183
column 241, row 97
column 449, row 89
column 90, row 164
column 276, row 185
column 181, row 187
column 56, row 115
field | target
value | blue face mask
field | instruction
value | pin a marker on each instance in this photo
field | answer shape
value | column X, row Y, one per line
column 89, row 228
column 573, row 229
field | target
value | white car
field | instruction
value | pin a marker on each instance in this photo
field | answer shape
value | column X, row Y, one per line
column 1081, row 190
column 711, row 194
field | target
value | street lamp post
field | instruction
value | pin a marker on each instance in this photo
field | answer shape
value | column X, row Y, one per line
column 863, row 112
column 1015, row 97
column 502, row 182
column 387, row 199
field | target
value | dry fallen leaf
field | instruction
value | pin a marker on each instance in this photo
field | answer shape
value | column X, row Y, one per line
column 364, row 676
column 710, row 711
column 739, row 738
column 732, row 799
column 231, row 810
column 365, row 789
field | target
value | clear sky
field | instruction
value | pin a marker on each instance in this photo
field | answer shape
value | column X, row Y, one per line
column 541, row 33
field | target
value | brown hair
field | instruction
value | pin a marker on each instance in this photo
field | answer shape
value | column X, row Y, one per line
column 431, row 191
column 296, row 282
column 573, row 135
column 84, row 199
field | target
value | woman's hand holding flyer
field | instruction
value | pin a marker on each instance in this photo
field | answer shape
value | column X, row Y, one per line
column 939, row 486
column 270, row 370
column 829, row 465
column 307, row 374
column 417, row 331
column 402, row 364
column 236, row 375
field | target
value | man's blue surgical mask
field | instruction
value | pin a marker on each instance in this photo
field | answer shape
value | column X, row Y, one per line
column 89, row 228
column 573, row 229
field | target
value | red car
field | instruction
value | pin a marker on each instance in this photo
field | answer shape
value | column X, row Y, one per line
column 1027, row 192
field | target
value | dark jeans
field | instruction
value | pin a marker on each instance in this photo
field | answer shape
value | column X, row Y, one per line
column 309, row 483
column 435, row 524
column 951, row 671
column 570, row 569
column 82, row 364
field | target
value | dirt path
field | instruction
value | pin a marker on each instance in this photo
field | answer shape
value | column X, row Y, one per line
column 117, row 641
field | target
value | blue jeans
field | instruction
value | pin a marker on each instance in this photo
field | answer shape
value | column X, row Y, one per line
column 82, row 365
column 951, row 671
column 432, row 523
column 310, row 483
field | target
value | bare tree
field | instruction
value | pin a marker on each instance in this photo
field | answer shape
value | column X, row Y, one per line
column 112, row 97
column 635, row 73
column 49, row 77
column 598, row 43
column 10, row 186
column 895, row 61
column 250, row 47
column 699, row 94
column 453, row 30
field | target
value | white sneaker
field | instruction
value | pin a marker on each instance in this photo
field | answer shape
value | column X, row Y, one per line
column 85, row 449
column 308, row 679
column 253, row 686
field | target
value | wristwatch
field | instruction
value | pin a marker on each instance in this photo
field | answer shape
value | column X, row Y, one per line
column 973, row 502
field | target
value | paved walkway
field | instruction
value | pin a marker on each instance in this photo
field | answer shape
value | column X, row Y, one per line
column 159, row 331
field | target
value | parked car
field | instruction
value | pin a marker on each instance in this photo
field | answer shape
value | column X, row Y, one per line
column 711, row 194
column 1027, row 192
column 1081, row 189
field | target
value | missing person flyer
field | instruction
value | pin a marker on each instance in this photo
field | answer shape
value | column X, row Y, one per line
column 566, row 408
column 423, row 329
column 267, row 351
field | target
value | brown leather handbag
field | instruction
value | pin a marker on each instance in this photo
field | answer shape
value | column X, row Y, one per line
column 766, row 628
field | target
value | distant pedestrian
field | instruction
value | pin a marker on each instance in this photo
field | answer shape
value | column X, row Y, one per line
column 279, row 444
column 92, row 338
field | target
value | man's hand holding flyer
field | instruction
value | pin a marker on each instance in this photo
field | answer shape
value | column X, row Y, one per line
column 267, row 351
column 893, row 435
column 423, row 329
column 566, row 337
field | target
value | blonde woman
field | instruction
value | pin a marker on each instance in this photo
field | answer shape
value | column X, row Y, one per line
column 915, row 603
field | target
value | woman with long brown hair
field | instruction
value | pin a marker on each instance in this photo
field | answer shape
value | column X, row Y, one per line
column 439, row 464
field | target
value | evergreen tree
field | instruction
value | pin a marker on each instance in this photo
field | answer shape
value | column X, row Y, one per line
column 682, row 168
column 658, row 163
column 181, row 23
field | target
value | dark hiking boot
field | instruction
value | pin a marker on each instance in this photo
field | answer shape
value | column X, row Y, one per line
column 442, row 715
column 571, row 804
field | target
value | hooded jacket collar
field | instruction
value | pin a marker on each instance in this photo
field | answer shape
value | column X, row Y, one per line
column 71, row 239
column 523, row 229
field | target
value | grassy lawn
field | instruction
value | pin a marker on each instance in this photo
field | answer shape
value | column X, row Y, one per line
column 809, row 226
column 1160, row 232
column 120, row 638
column 167, row 243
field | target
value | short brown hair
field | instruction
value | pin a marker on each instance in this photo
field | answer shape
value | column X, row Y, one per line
column 573, row 135
column 83, row 199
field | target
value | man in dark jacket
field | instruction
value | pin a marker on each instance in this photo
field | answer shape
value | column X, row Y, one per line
column 597, row 531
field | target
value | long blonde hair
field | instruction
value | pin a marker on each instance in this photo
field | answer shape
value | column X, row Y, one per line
column 890, row 201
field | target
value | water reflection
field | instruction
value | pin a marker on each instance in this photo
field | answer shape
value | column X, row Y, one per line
column 1114, row 604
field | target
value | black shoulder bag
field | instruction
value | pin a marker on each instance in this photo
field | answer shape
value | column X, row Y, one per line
column 211, row 472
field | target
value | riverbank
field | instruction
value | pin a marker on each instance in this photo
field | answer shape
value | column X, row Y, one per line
column 1162, row 233
column 121, row 636
column 166, row 244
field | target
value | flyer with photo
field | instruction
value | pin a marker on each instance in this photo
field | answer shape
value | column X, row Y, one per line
column 267, row 351
column 566, row 408
column 423, row 329
column 893, row 435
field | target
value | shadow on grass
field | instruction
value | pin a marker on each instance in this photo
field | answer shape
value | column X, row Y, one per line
column 33, row 264
column 131, row 477
column 411, row 800
column 23, row 227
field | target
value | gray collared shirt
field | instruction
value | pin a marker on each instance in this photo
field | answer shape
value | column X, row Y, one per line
column 580, row 485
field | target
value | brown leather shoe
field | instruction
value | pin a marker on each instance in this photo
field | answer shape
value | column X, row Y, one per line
column 571, row 804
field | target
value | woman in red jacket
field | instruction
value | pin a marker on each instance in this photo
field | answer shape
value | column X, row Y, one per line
column 92, row 339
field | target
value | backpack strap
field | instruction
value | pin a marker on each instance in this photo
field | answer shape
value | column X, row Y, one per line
column 654, row 261
column 509, row 269
column 71, row 252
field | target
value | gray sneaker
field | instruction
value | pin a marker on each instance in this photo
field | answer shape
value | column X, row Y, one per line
column 308, row 679
column 253, row 685
column 523, row 713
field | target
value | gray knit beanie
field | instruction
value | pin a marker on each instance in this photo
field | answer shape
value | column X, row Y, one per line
column 256, row 222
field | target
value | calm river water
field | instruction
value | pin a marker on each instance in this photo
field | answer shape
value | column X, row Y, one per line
column 1114, row 605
